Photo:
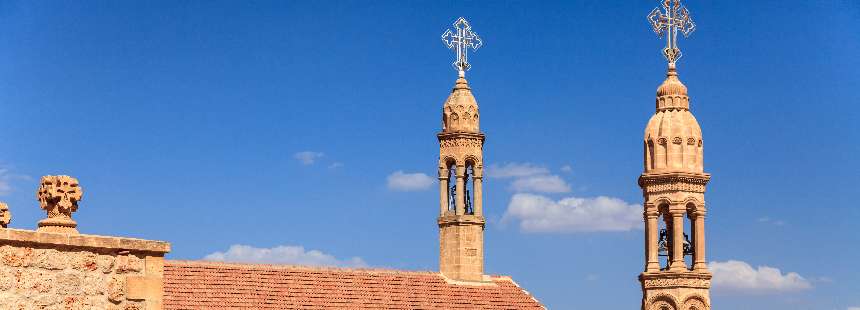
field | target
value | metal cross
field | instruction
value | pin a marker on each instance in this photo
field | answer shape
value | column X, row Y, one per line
column 670, row 20
column 460, row 40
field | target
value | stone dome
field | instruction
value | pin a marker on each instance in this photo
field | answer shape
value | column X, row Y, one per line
column 672, row 94
column 460, row 112
column 673, row 138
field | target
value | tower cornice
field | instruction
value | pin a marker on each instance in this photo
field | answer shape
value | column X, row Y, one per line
column 666, row 182
column 465, row 219
column 460, row 134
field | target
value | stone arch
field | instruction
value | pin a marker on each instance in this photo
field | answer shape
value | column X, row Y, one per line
column 447, row 161
column 692, row 204
column 661, row 302
column 472, row 160
column 696, row 302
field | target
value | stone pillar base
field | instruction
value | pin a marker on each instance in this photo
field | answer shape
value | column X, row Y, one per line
column 58, row 225
column 461, row 247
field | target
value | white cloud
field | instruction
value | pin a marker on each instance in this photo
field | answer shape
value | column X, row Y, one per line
column 529, row 177
column 515, row 170
column 307, row 157
column 541, row 184
column 293, row 255
column 853, row 308
column 537, row 213
column 400, row 181
column 335, row 165
column 771, row 221
column 566, row 168
column 740, row 277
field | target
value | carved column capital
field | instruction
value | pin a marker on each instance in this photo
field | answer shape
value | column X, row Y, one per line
column 651, row 213
column 443, row 173
column 461, row 171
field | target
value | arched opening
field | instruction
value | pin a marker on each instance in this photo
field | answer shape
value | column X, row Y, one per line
column 688, row 242
column 469, row 187
column 452, row 185
column 664, row 241
column 690, row 256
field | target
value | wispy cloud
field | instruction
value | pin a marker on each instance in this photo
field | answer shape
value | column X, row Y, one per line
column 335, row 165
column 401, row 181
column 540, row 214
column 739, row 277
column 284, row 254
column 771, row 221
column 7, row 177
column 566, row 168
column 308, row 157
column 515, row 170
column 541, row 184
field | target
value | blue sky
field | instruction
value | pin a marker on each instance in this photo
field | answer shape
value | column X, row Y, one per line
column 186, row 121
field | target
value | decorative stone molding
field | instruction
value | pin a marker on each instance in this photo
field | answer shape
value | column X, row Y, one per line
column 673, row 283
column 673, row 182
column 59, row 196
column 5, row 215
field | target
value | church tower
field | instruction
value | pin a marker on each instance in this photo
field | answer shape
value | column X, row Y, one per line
column 461, row 221
column 676, row 275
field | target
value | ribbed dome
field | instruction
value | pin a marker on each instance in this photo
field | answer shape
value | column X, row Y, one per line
column 673, row 138
column 672, row 94
column 460, row 112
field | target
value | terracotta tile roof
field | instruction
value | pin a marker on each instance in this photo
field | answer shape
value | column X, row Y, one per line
column 209, row 285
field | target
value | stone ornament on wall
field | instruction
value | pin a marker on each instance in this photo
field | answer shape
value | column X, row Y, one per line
column 674, row 283
column 59, row 196
column 5, row 215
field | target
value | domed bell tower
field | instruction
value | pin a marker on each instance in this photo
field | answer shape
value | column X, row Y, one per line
column 676, row 275
column 461, row 221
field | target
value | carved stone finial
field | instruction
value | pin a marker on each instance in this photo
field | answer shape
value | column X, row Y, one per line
column 59, row 196
column 5, row 215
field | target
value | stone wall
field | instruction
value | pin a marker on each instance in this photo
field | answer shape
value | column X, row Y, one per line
column 461, row 247
column 41, row 270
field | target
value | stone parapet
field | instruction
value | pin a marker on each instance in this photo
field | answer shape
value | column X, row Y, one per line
column 43, row 270
column 95, row 242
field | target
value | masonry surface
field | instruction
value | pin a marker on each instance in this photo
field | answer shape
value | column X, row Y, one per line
column 41, row 270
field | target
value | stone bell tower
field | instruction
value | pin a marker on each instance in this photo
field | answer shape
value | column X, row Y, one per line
column 461, row 221
column 676, row 275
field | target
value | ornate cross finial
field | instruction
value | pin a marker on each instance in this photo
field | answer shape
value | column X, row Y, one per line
column 670, row 20
column 460, row 40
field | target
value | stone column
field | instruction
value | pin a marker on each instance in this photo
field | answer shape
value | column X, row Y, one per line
column 461, row 201
column 443, row 191
column 677, row 241
column 477, row 188
column 651, row 240
column 699, row 263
